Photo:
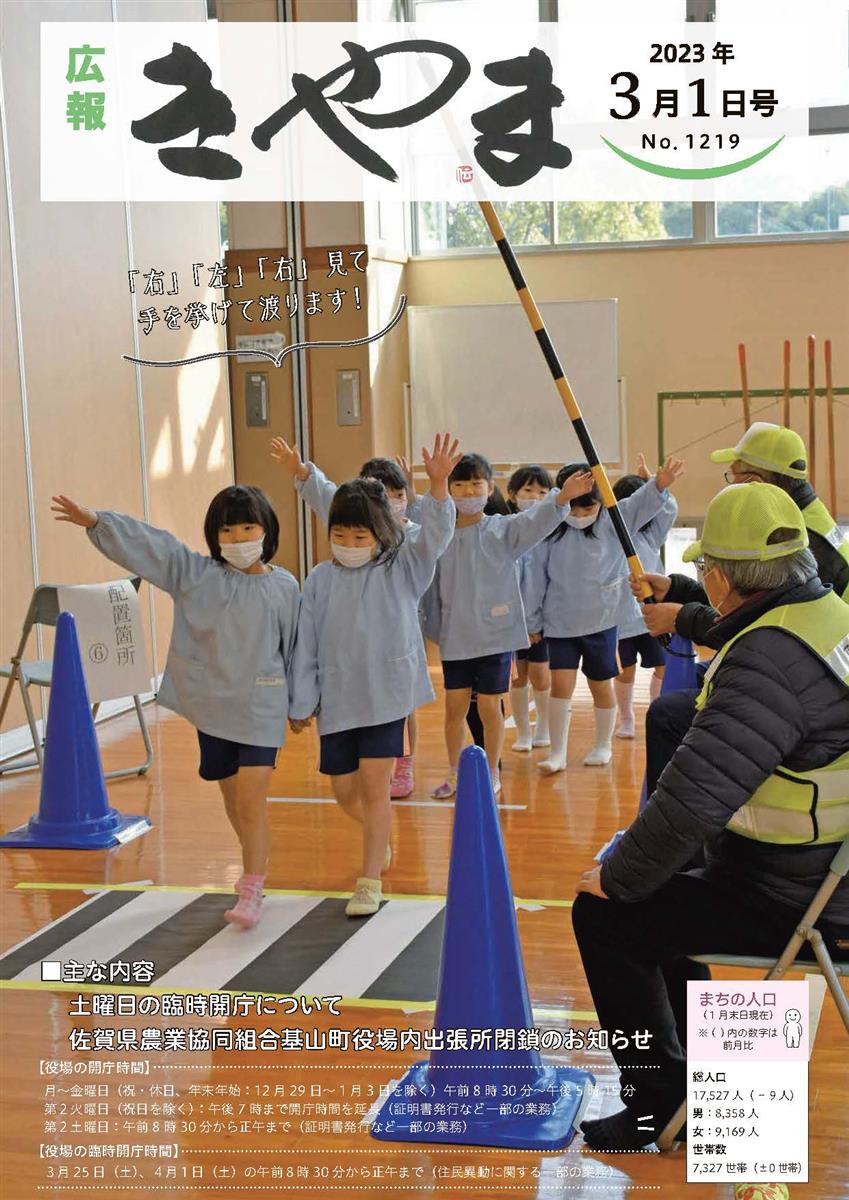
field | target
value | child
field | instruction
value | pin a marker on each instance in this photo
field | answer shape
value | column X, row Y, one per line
column 634, row 638
column 526, row 487
column 360, row 660
column 318, row 491
column 228, row 668
column 481, row 619
column 575, row 593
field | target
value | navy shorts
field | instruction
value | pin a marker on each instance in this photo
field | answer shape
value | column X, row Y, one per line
column 651, row 653
column 488, row 675
column 595, row 653
column 536, row 652
column 341, row 752
column 220, row 759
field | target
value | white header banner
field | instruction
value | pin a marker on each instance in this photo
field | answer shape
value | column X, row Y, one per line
column 636, row 109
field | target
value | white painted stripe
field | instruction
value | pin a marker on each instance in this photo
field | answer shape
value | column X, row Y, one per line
column 106, row 939
column 395, row 803
column 232, row 949
column 355, row 966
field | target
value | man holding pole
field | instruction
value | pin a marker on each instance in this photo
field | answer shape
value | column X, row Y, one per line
column 768, row 454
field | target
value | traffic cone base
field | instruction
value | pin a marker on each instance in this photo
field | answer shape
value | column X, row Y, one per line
column 114, row 829
column 556, row 1105
column 482, row 986
column 73, row 808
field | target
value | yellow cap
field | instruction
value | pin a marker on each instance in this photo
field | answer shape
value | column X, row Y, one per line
column 771, row 447
column 740, row 519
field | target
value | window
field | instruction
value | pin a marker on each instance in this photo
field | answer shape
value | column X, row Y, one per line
column 445, row 226
column 826, row 211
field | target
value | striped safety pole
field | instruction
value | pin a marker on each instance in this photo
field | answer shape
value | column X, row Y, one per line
column 566, row 394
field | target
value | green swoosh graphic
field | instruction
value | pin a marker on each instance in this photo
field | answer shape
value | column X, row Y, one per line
column 692, row 172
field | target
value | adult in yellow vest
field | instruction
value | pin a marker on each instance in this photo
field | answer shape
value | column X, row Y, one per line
column 761, row 781
column 773, row 454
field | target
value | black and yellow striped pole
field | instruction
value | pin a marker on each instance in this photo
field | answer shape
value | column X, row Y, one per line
column 566, row 394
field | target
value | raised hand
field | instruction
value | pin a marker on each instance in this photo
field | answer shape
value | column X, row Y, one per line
column 669, row 473
column 440, row 462
column 76, row 514
column 407, row 470
column 576, row 485
column 642, row 467
column 289, row 458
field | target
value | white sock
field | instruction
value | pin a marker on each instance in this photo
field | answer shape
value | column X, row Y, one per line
column 601, row 753
column 541, row 734
column 655, row 686
column 559, row 719
column 625, row 704
column 520, row 707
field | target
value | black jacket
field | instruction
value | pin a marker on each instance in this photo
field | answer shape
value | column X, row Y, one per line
column 773, row 703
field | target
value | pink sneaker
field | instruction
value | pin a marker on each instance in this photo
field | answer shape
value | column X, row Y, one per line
column 402, row 779
column 248, row 906
column 237, row 886
column 445, row 790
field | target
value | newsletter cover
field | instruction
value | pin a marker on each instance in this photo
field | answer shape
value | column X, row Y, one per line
column 424, row 681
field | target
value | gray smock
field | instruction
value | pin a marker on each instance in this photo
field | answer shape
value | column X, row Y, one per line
column 647, row 542
column 360, row 659
column 579, row 584
column 229, row 662
column 475, row 605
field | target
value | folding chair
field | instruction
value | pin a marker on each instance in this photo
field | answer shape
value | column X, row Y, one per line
column 44, row 610
column 806, row 931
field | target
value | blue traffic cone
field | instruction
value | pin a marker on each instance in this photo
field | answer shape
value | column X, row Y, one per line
column 73, row 809
column 482, row 987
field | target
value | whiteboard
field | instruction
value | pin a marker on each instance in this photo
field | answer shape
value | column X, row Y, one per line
column 478, row 371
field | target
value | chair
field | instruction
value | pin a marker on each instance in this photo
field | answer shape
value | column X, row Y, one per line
column 806, row 931
column 44, row 610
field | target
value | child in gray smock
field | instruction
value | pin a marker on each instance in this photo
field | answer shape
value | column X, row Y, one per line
column 634, row 638
column 360, row 659
column 575, row 592
column 229, row 662
column 317, row 491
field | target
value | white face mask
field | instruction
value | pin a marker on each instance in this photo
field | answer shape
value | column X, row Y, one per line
column 351, row 556
column 523, row 505
column 469, row 505
column 398, row 504
column 581, row 522
column 242, row 554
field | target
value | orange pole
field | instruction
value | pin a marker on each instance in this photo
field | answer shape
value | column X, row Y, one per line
column 829, row 399
column 744, row 377
column 785, row 420
column 812, row 410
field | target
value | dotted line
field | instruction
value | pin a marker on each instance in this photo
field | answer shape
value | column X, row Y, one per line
column 456, row 1149
column 332, row 1187
column 389, row 1066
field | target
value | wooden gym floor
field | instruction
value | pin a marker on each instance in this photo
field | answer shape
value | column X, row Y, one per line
column 552, row 829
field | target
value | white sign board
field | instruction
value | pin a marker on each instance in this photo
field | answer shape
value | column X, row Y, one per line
column 111, row 636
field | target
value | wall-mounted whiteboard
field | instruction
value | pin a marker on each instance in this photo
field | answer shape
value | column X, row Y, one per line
column 478, row 371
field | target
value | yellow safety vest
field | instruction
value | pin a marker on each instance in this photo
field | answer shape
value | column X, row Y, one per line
column 818, row 519
column 799, row 807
